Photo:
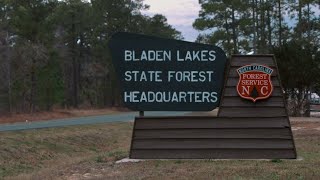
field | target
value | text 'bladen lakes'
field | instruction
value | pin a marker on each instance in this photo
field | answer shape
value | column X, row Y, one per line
column 163, row 55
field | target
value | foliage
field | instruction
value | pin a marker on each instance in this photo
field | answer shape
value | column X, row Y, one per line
column 56, row 52
column 289, row 29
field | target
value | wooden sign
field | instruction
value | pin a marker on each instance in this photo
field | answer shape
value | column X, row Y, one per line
column 243, row 129
column 267, row 118
column 159, row 74
column 254, row 82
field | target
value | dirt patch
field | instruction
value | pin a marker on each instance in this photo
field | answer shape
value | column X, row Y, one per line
column 58, row 114
column 306, row 127
column 304, row 119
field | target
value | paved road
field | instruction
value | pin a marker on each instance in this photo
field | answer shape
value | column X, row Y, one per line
column 122, row 117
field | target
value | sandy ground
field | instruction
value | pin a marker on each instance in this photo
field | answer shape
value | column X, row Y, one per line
column 57, row 114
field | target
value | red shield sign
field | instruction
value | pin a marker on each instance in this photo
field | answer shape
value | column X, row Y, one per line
column 254, row 82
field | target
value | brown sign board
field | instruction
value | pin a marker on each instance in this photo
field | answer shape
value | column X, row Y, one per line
column 244, row 129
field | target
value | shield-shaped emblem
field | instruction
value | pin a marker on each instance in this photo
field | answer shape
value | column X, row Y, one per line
column 254, row 82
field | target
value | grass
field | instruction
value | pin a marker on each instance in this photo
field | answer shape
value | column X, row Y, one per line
column 91, row 151
column 31, row 151
column 57, row 114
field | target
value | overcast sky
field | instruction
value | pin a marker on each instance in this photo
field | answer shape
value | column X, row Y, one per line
column 180, row 14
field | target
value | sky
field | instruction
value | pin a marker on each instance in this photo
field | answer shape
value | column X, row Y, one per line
column 180, row 14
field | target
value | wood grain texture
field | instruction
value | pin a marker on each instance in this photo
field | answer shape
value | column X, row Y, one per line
column 214, row 154
column 211, row 143
column 209, row 122
column 252, row 112
column 263, row 133
column 236, row 102
column 243, row 130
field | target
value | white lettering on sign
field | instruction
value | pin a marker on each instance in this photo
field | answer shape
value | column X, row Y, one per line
column 245, row 89
column 140, row 76
column 163, row 55
column 182, row 96
column 264, row 90
column 150, row 55
column 203, row 55
column 169, row 76
column 190, row 76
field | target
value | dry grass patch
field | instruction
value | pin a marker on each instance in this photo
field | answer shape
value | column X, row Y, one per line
column 57, row 114
column 30, row 151
column 90, row 152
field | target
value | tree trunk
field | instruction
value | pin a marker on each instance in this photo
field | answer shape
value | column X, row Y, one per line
column 280, row 22
column 227, row 31
column 308, row 106
column 299, row 20
column 75, row 82
column 81, row 57
column 74, row 65
column 269, row 27
column 48, row 99
column 9, row 72
column 309, row 27
column 33, row 86
column 258, row 42
column 254, row 26
column 263, row 42
column 234, row 34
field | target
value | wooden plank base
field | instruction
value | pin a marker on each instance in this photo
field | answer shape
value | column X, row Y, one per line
column 213, row 154
column 196, row 137
column 242, row 130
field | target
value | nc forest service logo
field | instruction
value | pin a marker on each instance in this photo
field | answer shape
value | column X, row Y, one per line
column 254, row 82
